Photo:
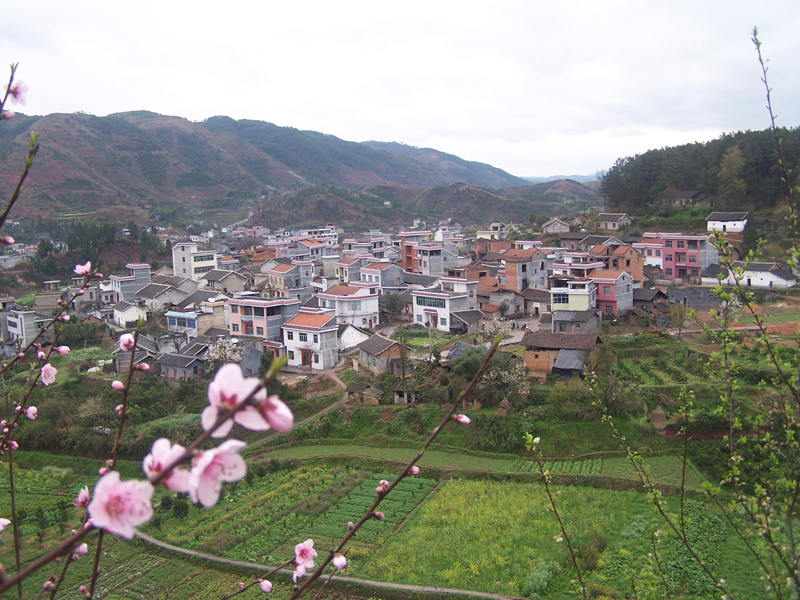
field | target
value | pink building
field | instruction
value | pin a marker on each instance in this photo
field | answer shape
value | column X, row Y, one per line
column 614, row 291
column 682, row 255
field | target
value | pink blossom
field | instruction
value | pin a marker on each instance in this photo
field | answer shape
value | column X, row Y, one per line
column 126, row 342
column 65, row 318
column 120, row 506
column 84, row 270
column 81, row 549
column 41, row 355
column 13, row 445
column 265, row 586
column 16, row 92
column 211, row 467
column 379, row 515
column 82, row 499
column 81, row 292
column 102, row 471
column 304, row 555
column 276, row 413
column 161, row 455
column 48, row 374
column 8, row 240
column 7, row 114
column 414, row 470
column 339, row 561
column 31, row 412
column 144, row 367
column 461, row 419
column 228, row 390
column 4, row 523
column 117, row 385
column 21, row 355
column 63, row 350
column 119, row 407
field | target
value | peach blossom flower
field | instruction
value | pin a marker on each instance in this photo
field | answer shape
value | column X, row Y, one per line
column 211, row 467
column 84, row 270
column 4, row 523
column 7, row 239
column 117, row 385
column 126, row 342
column 63, row 350
column 304, row 555
column 120, row 506
column 265, row 586
column 82, row 499
column 7, row 114
column 48, row 374
column 461, row 419
column 81, row 549
column 339, row 561
column 16, row 92
column 162, row 454
column 414, row 470
column 31, row 412
column 229, row 389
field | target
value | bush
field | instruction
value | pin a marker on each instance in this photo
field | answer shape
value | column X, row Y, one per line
column 180, row 508
column 539, row 579
column 167, row 501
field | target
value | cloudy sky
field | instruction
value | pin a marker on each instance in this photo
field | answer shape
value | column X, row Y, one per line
column 536, row 88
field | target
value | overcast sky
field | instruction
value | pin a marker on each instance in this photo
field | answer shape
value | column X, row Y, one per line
column 535, row 88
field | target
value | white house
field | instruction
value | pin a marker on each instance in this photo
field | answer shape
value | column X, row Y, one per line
column 435, row 307
column 125, row 312
column 727, row 221
column 757, row 274
column 354, row 305
column 351, row 336
column 311, row 340
column 555, row 225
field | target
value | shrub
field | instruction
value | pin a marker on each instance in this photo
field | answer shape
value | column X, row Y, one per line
column 167, row 501
column 539, row 579
column 180, row 508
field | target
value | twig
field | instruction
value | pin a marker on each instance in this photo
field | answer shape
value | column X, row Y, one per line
column 255, row 581
column 14, row 525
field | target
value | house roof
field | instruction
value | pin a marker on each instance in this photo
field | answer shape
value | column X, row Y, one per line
column 571, row 360
column 123, row 306
column 648, row 295
column 545, row 317
column 536, row 295
column 342, row 290
column 172, row 280
column 347, row 261
column 378, row 266
column 490, row 308
column 605, row 274
column 713, row 270
column 693, row 296
column 560, row 341
column 417, row 279
column 216, row 275
column 727, row 216
column 517, row 255
column 623, row 250
column 178, row 360
column 609, row 217
column 600, row 250
column 376, row 345
column 282, row 268
column 310, row 320
column 593, row 240
column 197, row 345
column 468, row 316
column 154, row 290
column 574, row 316
column 198, row 297
column 459, row 349
column 487, row 285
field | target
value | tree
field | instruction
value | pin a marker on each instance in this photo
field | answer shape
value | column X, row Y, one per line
column 678, row 314
column 503, row 309
column 731, row 183
column 394, row 303
column 134, row 230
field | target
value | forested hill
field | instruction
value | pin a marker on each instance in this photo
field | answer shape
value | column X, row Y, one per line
column 739, row 170
column 105, row 167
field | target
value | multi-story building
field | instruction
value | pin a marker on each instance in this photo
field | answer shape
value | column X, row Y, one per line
column 293, row 280
column 356, row 306
column 435, row 307
column 572, row 293
column 189, row 262
column 126, row 286
column 349, row 269
column 311, row 340
column 388, row 276
column 408, row 241
column 650, row 249
column 24, row 325
column 524, row 269
column 614, row 291
column 621, row 258
column 683, row 255
column 261, row 318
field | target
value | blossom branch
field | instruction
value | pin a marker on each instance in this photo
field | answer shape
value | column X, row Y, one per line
column 33, row 149
column 14, row 528
column 370, row 513
column 244, row 588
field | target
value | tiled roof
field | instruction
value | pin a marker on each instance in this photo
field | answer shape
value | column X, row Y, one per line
column 603, row 274
column 282, row 268
column 558, row 341
column 376, row 345
column 310, row 320
column 727, row 216
column 342, row 290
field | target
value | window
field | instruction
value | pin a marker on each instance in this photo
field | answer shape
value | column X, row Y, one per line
column 680, row 244
column 472, row 294
column 354, row 305
column 419, row 318
column 303, row 337
column 627, row 262
column 557, row 299
column 606, row 290
column 609, row 309
column 291, row 355
column 235, row 328
column 290, row 335
column 628, row 289
column 668, row 257
column 248, row 329
column 247, row 311
column 432, row 302
column 183, row 259
column 234, row 309
column 658, row 253
column 316, row 358
column 692, row 258
column 694, row 272
column 668, row 271
column 668, row 244
column 258, row 311
column 364, row 322
column 91, row 295
column 259, row 331
column 443, row 321
column 524, row 268
column 649, row 252
column 316, row 339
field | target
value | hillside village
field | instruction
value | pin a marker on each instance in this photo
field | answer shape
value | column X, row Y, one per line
column 318, row 295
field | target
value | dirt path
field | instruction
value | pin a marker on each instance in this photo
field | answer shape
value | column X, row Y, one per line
column 378, row 584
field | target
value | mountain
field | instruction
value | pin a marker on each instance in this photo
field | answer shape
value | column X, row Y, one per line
column 142, row 164
column 578, row 178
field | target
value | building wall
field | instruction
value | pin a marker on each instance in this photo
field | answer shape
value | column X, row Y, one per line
column 540, row 360
column 760, row 279
column 325, row 349
column 726, row 226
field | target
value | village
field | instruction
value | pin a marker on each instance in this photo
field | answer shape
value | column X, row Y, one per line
column 323, row 299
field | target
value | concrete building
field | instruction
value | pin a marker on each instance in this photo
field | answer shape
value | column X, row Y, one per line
column 354, row 305
column 125, row 287
column 189, row 262
column 726, row 222
column 311, row 340
column 260, row 317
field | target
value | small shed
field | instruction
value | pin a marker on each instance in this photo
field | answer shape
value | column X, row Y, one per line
column 360, row 394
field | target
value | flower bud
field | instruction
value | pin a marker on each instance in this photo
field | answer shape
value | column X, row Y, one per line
column 461, row 419
column 41, row 355
column 144, row 367
column 118, row 409
column 414, row 470
column 65, row 318
column 7, row 239
column 117, row 385
column 350, row 526
column 48, row 585
column 63, row 350
column 81, row 292
column 536, row 440
column 21, row 355
column 265, row 586
column 339, row 561
column 102, row 471
column 378, row 515
column 13, row 445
